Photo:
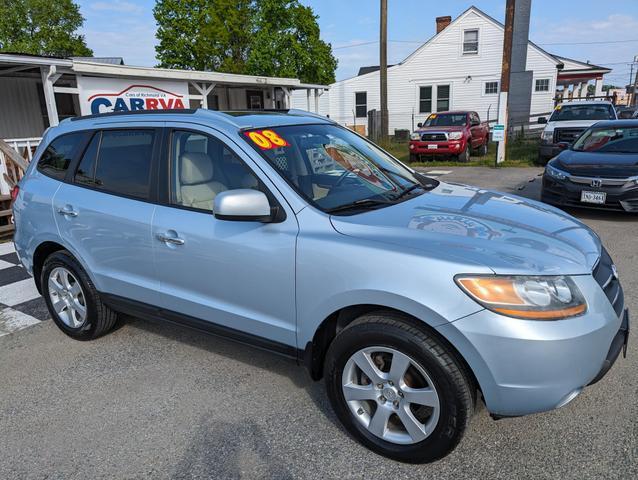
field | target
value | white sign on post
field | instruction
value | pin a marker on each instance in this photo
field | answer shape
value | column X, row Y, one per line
column 498, row 133
column 103, row 95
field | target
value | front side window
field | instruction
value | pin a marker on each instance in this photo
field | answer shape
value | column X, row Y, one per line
column 586, row 112
column 442, row 98
column 202, row 167
column 119, row 162
column 361, row 104
column 425, row 99
column 335, row 169
column 541, row 85
column 55, row 160
column 446, row 120
column 470, row 42
column 491, row 88
column 609, row 140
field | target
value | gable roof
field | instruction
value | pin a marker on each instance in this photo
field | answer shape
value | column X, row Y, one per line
column 370, row 69
column 576, row 65
column 492, row 20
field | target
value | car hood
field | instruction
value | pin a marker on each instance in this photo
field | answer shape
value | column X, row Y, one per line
column 439, row 129
column 571, row 124
column 592, row 164
column 506, row 233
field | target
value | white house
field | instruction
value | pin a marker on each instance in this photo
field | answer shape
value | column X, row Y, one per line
column 458, row 68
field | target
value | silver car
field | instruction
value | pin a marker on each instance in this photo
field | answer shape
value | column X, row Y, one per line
column 412, row 298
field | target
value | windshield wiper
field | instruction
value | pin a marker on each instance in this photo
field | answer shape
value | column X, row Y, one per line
column 359, row 204
column 407, row 190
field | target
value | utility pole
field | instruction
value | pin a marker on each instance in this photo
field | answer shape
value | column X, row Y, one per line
column 383, row 69
column 634, row 97
column 505, row 76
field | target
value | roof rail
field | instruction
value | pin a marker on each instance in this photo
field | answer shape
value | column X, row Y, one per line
column 136, row 112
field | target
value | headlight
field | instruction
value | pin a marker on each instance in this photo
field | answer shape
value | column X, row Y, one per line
column 415, row 136
column 455, row 135
column 547, row 135
column 531, row 298
column 555, row 172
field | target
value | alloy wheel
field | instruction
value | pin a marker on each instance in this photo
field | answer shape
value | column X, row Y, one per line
column 67, row 298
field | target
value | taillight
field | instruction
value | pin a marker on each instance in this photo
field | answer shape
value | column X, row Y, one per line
column 14, row 193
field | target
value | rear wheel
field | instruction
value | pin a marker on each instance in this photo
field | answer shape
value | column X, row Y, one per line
column 72, row 300
column 397, row 389
column 482, row 150
column 414, row 157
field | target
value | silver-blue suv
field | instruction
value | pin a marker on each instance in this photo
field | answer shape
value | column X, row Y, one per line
column 411, row 297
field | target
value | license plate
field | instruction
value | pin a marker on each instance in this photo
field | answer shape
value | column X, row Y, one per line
column 593, row 197
column 432, row 147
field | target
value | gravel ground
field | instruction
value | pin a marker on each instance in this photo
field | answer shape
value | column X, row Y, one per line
column 152, row 400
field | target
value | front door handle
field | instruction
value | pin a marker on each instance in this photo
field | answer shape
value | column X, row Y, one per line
column 67, row 212
column 172, row 240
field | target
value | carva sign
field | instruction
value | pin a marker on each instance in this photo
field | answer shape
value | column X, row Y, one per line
column 102, row 95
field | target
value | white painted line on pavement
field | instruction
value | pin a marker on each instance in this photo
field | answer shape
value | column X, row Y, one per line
column 6, row 248
column 12, row 320
column 439, row 172
column 18, row 292
column 4, row 265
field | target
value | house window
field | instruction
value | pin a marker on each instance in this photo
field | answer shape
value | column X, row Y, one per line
column 491, row 88
column 442, row 98
column 542, row 85
column 425, row 99
column 361, row 104
column 470, row 42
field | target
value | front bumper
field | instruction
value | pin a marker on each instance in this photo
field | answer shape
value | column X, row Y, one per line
column 526, row 367
column 567, row 193
column 450, row 147
column 548, row 150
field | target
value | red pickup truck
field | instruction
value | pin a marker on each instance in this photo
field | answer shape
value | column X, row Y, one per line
column 450, row 133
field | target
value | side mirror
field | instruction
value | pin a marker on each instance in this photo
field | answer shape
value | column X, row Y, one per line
column 563, row 145
column 245, row 205
column 542, row 120
column 419, row 125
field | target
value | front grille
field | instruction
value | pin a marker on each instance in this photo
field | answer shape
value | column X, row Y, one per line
column 567, row 134
column 604, row 275
column 434, row 137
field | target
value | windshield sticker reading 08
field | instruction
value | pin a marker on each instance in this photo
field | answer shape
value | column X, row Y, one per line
column 267, row 139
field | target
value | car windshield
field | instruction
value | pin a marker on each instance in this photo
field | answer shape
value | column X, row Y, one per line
column 564, row 113
column 608, row 140
column 446, row 120
column 335, row 169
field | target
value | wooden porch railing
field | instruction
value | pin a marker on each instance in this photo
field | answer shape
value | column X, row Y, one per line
column 15, row 155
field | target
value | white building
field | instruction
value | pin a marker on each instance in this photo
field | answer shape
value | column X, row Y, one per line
column 38, row 92
column 459, row 68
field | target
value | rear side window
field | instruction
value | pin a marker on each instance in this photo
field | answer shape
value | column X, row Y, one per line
column 119, row 161
column 55, row 160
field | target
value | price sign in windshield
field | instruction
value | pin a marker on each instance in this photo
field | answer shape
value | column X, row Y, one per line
column 267, row 139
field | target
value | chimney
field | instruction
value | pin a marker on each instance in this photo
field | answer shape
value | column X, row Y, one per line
column 442, row 23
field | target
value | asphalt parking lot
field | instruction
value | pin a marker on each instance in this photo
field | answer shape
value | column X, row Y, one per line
column 152, row 400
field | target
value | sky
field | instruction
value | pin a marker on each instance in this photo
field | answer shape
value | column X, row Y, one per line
column 582, row 29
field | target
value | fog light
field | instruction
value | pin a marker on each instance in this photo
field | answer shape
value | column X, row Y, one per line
column 411, row 146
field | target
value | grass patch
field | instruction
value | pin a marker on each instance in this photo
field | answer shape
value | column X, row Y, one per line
column 520, row 153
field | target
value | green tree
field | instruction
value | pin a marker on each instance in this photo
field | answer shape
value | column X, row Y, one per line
column 256, row 37
column 42, row 27
column 287, row 43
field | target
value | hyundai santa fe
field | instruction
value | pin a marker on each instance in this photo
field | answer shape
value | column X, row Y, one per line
column 413, row 298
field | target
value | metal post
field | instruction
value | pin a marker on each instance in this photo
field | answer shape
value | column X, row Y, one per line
column 308, row 99
column 316, row 100
column 505, row 76
column 383, row 69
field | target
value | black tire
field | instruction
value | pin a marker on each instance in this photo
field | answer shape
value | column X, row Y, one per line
column 99, row 318
column 414, row 157
column 464, row 157
column 542, row 161
column 454, row 386
column 482, row 150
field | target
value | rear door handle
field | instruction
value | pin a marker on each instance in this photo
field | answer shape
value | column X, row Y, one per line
column 172, row 240
column 67, row 212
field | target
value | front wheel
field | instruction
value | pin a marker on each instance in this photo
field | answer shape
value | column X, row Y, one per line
column 464, row 157
column 397, row 389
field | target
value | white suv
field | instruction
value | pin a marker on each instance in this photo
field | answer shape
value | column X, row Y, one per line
column 567, row 122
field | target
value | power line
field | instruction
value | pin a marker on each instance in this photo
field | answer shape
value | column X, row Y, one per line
column 606, row 42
